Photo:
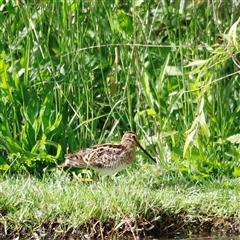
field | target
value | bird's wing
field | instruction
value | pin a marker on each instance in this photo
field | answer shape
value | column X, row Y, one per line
column 106, row 155
column 95, row 156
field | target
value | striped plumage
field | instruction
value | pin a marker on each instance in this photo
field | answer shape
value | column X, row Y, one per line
column 107, row 158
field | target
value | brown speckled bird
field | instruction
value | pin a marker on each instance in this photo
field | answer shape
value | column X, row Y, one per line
column 107, row 158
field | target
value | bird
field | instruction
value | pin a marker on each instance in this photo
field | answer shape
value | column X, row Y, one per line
column 107, row 158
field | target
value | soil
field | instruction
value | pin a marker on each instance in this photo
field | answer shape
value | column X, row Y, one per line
column 162, row 225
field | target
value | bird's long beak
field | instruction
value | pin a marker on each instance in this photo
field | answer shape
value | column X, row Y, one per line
column 139, row 145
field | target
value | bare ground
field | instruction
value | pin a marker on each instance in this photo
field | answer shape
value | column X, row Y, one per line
column 167, row 225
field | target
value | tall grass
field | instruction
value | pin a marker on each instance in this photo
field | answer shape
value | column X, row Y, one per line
column 80, row 73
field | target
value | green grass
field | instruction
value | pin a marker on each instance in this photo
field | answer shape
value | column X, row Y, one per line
column 138, row 202
column 78, row 73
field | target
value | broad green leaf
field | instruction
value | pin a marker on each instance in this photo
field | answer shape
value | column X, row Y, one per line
column 194, row 125
column 57, row 146
column 162, row 74
column 188, row 140
column 205, row 129
column 147, row 90
column 236, row 171
column 172, row 106
column 125, row 22
column 57, row 118
column 173, row 71
column 233, row 34
column 149, row 112
column 234, row 138
column 196, row 63
column 3, row 164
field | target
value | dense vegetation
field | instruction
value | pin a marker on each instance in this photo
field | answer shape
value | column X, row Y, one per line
column 78, row 73
column 75, row 73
